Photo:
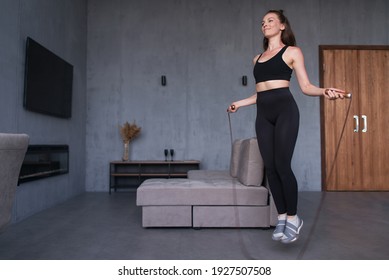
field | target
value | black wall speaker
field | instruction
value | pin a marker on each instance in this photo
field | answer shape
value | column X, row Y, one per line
column 244, row 80
column 163, row 80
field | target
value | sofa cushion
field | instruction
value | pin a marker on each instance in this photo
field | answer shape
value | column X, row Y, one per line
column 235, row 157
column 208, row 174
column 199, row 192
column 251, row 166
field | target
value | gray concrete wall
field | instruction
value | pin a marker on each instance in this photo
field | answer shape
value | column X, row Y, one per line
column 203, row 47
column 59, row 25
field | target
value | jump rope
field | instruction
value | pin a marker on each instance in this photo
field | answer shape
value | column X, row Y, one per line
column 242, row 244
column 245, row 252
column 319, row 208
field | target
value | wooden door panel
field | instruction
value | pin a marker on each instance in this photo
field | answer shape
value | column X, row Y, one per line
column 340, row 70
column 374, row 82
column 362, row 160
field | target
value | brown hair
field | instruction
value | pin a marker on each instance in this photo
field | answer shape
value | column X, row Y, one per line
column 287, row 36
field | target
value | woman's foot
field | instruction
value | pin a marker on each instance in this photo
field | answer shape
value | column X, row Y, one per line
column 280, row 227
column 292, row 229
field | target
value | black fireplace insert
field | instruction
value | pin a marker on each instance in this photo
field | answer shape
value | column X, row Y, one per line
column 42, row 161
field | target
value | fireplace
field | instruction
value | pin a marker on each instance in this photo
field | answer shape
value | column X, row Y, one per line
column 42, row 161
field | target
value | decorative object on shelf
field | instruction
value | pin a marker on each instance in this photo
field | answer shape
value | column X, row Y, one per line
column 128, row 132
column 171, row 154
column 126, row 151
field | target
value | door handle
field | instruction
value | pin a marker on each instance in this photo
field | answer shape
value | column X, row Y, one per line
column 364, row 118
column 356, row 128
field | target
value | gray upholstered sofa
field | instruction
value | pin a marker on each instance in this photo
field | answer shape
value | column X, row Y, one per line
column 12, row 151
column 231, row 198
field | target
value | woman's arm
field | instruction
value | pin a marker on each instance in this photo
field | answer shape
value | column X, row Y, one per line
column 241, row 103
column 297, row 62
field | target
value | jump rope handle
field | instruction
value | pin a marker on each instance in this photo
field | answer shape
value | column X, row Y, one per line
column 232, row 108
column 348, row 95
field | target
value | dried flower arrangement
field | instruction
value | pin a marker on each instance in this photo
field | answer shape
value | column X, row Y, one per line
column 129, row 131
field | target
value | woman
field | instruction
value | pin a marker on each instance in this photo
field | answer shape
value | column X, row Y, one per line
column 277, row 120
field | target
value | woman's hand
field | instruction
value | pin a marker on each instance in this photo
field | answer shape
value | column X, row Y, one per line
column 232, row 108
column 334, row 93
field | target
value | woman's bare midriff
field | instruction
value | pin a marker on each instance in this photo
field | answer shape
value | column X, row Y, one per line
column 268, row 85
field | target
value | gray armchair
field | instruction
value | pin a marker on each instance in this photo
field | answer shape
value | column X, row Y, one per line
column 12, row 151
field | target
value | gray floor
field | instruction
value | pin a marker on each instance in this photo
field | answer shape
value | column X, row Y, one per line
column 96, row 226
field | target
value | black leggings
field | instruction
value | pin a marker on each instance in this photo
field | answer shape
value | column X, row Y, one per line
column 277, row 127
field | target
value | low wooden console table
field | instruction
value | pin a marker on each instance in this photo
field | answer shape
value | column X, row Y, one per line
column 130, row 174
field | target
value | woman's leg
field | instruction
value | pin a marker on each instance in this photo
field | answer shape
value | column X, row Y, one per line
column 265, row 136
column 285, row 136
column 265, row 131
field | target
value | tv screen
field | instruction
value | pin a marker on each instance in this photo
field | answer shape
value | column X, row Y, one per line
column 48, row 82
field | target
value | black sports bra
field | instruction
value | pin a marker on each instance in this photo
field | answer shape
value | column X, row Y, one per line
column 273, row 69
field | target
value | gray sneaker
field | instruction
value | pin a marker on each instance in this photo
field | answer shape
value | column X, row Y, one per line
column 278, row 233
column 291, row 232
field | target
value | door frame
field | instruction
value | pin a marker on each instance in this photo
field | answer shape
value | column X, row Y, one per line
column 323, row 48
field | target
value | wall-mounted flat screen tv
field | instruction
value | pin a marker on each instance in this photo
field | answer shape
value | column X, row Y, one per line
column 48, row 82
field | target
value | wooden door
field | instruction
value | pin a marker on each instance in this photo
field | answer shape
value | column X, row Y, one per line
column 355, row 132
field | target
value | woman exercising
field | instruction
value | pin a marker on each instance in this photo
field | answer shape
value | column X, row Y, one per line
column 277, row 121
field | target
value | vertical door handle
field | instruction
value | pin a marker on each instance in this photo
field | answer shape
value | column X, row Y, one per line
column 356, row 118
column 364, row 118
